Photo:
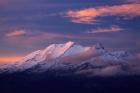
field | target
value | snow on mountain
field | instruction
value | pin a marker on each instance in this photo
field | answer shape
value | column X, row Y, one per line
column 75, row 49
column 56, row 50
column 51, row 52
column 64, row 56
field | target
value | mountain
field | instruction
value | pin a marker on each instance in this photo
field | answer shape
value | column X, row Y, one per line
column 67, row 57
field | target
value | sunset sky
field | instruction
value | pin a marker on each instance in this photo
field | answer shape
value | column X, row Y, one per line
column 29, row 25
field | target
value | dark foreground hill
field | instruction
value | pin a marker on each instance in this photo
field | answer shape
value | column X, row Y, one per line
column 47, row 83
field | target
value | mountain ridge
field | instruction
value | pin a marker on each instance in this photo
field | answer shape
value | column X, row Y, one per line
column 66, row 56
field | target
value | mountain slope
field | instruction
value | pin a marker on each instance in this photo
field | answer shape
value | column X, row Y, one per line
column 66, row 56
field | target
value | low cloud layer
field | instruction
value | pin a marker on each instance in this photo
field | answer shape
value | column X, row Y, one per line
column 130, row 67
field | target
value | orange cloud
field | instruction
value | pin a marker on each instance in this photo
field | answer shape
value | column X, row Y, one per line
column 103, row 30
column 10, row 59
column 89, row 15
column 16, row 33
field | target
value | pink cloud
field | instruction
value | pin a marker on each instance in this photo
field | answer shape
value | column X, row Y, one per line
column 89, row 15
column 16, row 33
column 104, row 30
column 37, row 37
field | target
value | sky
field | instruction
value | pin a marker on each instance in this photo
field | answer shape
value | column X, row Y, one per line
column 29, row 25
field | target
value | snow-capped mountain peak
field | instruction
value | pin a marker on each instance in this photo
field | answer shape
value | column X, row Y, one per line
column 56, row 50
column 51, row 52
column 55, row 55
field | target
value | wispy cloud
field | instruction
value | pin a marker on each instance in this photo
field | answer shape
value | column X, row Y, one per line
column 37, row 37
column 16, row 33
column 104, row 30
column 89, row 15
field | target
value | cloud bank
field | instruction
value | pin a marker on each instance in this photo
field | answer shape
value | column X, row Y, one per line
column 105, row 69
